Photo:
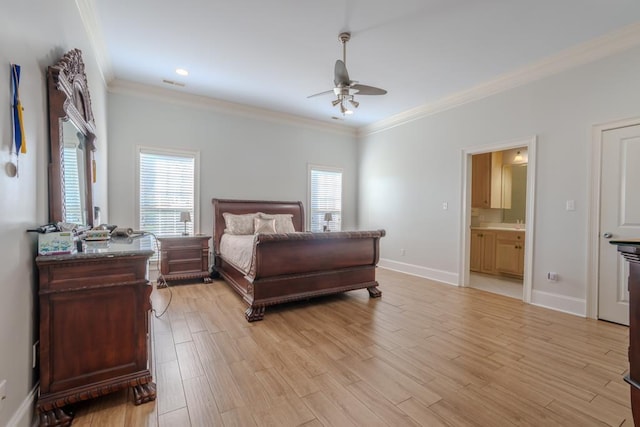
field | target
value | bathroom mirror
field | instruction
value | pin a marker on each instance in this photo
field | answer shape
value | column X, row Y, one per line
column 516, row 191
column 72, row 136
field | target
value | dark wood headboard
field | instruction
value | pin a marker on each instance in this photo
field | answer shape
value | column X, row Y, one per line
column 239, row 207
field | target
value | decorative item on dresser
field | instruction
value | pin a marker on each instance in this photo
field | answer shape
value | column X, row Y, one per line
column 288, row 264
column 94, row 328
column 630, row 249
column 184, row 257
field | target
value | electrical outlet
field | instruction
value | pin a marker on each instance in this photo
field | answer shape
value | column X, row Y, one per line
column 445, row 206
column 3, row 393
column 552, row 276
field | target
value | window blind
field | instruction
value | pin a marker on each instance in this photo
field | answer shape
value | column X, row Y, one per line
column 73, row 208
column 167, row 187
column 325, row 197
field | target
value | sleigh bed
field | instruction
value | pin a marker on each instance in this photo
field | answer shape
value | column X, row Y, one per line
column 288, row 264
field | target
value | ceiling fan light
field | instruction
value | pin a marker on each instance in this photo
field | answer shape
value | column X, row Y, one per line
column 347, row 112
column 354, row 103
column 342, row 109
column 335, row 102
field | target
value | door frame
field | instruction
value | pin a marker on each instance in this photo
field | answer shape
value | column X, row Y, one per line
column 464, row 246
column 593, row 242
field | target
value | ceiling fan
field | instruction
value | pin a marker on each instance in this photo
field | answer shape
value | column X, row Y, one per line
column 345, row 89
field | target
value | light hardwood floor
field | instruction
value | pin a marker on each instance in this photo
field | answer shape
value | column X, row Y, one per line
column 424, row 354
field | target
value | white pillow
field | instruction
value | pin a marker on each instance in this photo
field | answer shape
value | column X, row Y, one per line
column 239, row 224
column 284, row 222
column 264, row 226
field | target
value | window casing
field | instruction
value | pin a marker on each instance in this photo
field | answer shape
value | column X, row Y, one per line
column 325, row 197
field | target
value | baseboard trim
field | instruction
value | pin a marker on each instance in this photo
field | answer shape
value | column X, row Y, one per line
column 570, row 305
column 25, row 409
column 420, row 271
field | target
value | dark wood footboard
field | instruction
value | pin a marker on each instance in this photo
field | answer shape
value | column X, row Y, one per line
column 295, row 266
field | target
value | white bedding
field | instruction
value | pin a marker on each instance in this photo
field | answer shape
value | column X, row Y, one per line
column 237, row 250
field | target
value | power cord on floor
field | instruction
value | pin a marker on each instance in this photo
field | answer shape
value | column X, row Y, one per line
column 161, row 283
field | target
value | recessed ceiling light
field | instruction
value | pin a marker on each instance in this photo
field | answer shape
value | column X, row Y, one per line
column 182, row 72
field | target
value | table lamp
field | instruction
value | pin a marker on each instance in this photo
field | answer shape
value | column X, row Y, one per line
column 185, row 217
column 328, row 217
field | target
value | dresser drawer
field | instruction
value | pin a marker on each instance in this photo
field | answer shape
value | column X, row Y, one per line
column 91, row 273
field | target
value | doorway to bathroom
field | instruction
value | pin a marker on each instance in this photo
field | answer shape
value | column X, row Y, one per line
column 497, row 221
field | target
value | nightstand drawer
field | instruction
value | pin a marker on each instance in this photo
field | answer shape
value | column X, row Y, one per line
column 183, row 254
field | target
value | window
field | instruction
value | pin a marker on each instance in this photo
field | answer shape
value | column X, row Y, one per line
column 325, row 197
column 167, row 186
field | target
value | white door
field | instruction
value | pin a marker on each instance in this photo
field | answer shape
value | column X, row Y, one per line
column 619, row 218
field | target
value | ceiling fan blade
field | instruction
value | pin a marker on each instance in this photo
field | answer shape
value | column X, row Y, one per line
column 368, row 90
column 341, row 78
column 326, row 92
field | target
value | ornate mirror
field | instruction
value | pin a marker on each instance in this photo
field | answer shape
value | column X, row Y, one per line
column 72, row 134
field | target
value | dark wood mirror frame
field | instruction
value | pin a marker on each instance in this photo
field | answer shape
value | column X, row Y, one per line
column 69, row 100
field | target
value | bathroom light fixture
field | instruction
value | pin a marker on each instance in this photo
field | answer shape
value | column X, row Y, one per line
column 518, row 158
column 182, row 72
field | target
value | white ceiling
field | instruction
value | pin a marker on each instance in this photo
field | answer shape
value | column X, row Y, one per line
column 273, row 54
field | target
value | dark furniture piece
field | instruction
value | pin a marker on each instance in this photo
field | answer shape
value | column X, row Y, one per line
column 94, row 328
column 295, row 266
column 184, row 257
column 630, row 249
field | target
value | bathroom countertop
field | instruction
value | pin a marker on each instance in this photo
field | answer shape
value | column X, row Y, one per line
column 499, row 227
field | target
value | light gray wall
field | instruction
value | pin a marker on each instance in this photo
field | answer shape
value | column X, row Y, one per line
column 406, row 172
column 33, row 34
column 241, row 157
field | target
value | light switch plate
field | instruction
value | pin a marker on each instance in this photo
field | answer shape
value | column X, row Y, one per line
column 571, row 205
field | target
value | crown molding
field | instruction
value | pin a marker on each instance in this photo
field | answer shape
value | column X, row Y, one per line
column 190, row 100
column 88, row 15
column 601, row 47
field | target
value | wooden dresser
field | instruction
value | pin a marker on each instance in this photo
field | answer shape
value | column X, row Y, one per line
column 184, row 257
column 630, row 249
column 94, row 327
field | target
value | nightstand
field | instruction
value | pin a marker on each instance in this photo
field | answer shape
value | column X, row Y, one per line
column 184, row 257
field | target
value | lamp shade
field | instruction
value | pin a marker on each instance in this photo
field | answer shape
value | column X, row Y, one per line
column 185, row 216
column 328, row 216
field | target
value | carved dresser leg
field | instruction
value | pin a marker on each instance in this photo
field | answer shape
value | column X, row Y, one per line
column 56, row 417
column 374, row 292
column 144, row 393
column 254, row 313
